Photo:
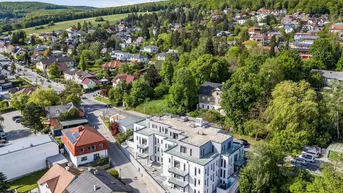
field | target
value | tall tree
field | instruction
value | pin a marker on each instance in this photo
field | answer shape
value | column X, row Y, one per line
column 32, row 116
column 82, row 63
column 45, row 97
column 140, row 91
column 292, row 115
column 19, row 101
column 325, row 50
column 183, row 93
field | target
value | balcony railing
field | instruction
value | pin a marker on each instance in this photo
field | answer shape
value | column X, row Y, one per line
column 230, row 187
column 142, row 155
column 142, row 146
column 178, row 182
column 177, row 171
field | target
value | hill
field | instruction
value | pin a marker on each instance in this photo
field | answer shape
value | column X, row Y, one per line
column 20, row 9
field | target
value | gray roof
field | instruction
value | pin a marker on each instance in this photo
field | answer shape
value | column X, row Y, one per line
column 78, row 121
column 208, row 87
column 103, row 182
column 330, row 74
column 55, row 111
column 336, row 147
column 53, row 59
column 26, row 143
column 126, row 122
column 57, row 159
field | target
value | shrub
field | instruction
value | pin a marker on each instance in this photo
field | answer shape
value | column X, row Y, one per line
column 101, row 162
column 114, row 173
column 121, row 137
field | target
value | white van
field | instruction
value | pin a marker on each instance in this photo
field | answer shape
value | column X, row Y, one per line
column 307, row 158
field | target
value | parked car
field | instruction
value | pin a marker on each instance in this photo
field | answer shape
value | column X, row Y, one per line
column 18, row 120
column 245, row 142
column 307, row 158
column 3, row 135
column 313, row 154
column 311, row 150
column 298, row 160
column 16, row 117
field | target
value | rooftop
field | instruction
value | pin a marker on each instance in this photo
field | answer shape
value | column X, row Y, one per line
column 71, row 122
column 83, row 135
column 195, row 135
column 330, row 74
column 336, row 147
column 26, row 143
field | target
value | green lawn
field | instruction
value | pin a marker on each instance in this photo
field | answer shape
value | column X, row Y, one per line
column 27, row 183
column 153, row 107
column 103, row 100
column 66, row 24
column 250, row 139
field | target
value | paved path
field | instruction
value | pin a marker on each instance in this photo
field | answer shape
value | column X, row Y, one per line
column 121, row 163
column 14, row 131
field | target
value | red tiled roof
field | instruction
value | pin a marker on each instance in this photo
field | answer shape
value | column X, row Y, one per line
column 61, row 66
column 88, row 135
column 88, row 80
column 336, row 27
column 127, row 78
column 112, row 64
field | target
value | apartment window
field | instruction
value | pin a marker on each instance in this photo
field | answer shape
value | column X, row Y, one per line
column 155, row 149
column 161, row 159
column 198, row 182
column 184, row 167
column 158, row 149
column 84, row 158
column 100, row 145
column 211, row 166
column 199, row 171
column 224, row 164
column 205, row 182
column 195, row 182
column 211, row 177
column 177, row 164
column 212, row 148
column 82, row 150
column 169, row 160
column 195, row 191
column 190, row 152
column 137, row 138
column 161, row 141
column 91, row 147
column 165, row 130
column 183, row 149
column 165, row 146
column 195, row 171
column 158, row 140
column 224, row 174
column 158, row 158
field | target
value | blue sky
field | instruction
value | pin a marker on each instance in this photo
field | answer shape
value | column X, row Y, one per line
column 94, row 3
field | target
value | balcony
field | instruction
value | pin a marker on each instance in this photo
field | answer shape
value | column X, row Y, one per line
column 142, row 155
column 177, row 171
column 178, row 182
column 142, row 146
column 230, row 187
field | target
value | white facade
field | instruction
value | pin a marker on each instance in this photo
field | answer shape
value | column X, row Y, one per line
column 123, row 56
column 44, row 188
column 90, row 85
column 191, row 163
column 85, row 158
column 150, row 49
column 27, row 156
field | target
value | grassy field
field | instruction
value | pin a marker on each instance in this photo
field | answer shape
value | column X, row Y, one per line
column 103, row 100
column 66, row 24
column 27, row 183
column 153, row 107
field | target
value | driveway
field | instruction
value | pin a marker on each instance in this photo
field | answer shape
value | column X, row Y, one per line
column 14, row 131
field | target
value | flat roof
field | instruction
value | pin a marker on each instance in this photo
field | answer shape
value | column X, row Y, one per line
column 26, row 143
column 201, row 161
column 57, row 159
column 330, row 74
column 78, row 121
column 336, row 147
column 195, row 135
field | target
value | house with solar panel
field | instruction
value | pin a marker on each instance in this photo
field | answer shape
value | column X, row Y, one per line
column 84, row 145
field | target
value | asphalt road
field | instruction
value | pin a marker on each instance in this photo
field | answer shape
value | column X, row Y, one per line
column 32, row 76
column 121, row 163
column 12, row 129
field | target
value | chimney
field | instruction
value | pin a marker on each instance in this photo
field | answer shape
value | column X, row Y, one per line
column 81, row 128
column 94, row 187
column 67, row 168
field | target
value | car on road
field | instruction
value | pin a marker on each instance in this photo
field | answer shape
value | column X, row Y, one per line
column 245, row 142
column 83, row 97
column 48, row 80
column 3, row 135
column 16, row 117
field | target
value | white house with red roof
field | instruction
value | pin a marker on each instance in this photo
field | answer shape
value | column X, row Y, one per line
column 84, row 144
column 90, row 83
column 123, row 77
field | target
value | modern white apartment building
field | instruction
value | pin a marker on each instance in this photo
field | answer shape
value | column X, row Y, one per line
column 195, row 157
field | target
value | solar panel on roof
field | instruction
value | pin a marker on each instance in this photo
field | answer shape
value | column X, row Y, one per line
column 70, row 137
column 76, row 135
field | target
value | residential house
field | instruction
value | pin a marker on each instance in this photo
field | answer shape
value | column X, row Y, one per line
column 4, row 83
column 194, row 156
column 7, row 48
column 254, row 30
column 84, row 144
column 124, row 122
column 150, row 49
column 118, row 55
column 44, row 64
column 27, row 155
column 76, row 75
column 139, row 40
column 128, row 79
column 53, row 112
column 336, row 28
column 4, row 60
column 57, row 179
column 111, row 65
column 260, row 38
column 303, row 48
column 36, row 57
column 89, row 83
column 138, row 58
column 329, row 76
column 57, row 53
column 334, row 149
column 209, row 96
column 162, row 56
column 27, row 90
column 97, row 181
